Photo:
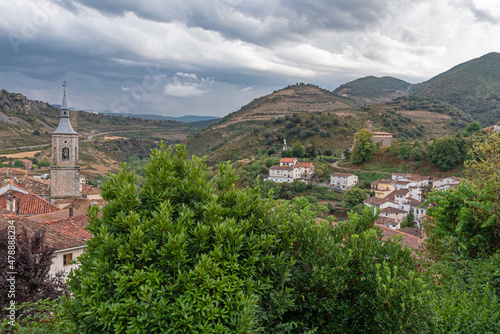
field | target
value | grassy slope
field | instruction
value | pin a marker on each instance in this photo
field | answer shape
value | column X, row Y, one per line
column 473, row 87
column 334, row 129
column 370, row 90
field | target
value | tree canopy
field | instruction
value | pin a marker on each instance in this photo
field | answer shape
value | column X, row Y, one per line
column 444, row 153
column 364, row 148
column 354, row 196
column 182, row 254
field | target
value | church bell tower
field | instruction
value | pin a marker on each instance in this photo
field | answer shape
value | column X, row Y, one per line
column 64, row 171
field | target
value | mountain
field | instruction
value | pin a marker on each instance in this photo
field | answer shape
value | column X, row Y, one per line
column 320, row 120
column 473, row 86
column 27, row 122
column 185, row 118
column 291, row 99
column 371, row 90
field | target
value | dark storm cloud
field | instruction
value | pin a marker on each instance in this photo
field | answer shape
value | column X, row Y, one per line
column 480, row 14
column 259, row 22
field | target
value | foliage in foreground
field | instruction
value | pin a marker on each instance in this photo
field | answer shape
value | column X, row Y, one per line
column 183, row 255
column 347, row 280
column 32, row 280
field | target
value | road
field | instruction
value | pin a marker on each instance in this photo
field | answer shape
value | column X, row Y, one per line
column 89, row 138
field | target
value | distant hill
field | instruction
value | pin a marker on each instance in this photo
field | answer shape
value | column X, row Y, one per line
column 473, row 86
column 371, row 90
column 27, row 122
column 185, row 119
column 291, row 99
column 316, row 118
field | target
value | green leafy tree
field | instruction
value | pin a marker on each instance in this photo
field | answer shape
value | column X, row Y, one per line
column 298, row 150
column 354, row 196
column 393, row 149
column 409, row 220
column 347, row 280
column 417, row 144
column 465, row 296
column 473, row 127
column 347, row 154
column 183, row 254
column 404, row 151
column 364, row 148
column 444, row 153
column 18, row 164
column 415, row 154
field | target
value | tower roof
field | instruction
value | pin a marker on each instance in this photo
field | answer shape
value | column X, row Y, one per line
column 64, row 126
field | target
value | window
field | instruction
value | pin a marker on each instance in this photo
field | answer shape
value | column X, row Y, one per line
column 67, row 258
column 65, row 153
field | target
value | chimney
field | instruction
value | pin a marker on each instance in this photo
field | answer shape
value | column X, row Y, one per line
column 17, row 205
column 10, row 203
column 70, row 210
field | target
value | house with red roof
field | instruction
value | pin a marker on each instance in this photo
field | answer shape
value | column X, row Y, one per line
column 291, row 169
column 68, row 236
column 18, row 200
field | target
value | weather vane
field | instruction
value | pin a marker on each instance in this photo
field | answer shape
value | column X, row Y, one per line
column 64, row 85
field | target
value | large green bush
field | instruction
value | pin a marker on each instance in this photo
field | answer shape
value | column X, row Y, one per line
column 183, row 255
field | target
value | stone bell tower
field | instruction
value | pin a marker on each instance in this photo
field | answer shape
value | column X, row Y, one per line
column 64, row 172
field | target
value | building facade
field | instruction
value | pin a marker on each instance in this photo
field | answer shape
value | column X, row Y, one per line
column 343, row 181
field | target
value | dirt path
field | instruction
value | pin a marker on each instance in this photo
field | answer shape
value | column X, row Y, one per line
column 336, row 165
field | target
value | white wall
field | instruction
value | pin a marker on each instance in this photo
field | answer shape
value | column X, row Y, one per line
column 57, row 262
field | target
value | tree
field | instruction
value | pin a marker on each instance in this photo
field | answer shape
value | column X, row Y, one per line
column 404, row 151
column 349, row 281
column 393, row 149
column 18, row 164
column 354, row 196
column 33, row 259
column 444, row 153
column 183, row 254
column 409, row 220
column 364, row 148
column 347, row 154
column 415, row 154
column 298, row 150
column 473, row 127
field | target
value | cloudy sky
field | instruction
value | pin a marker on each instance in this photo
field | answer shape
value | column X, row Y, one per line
column 203, row 57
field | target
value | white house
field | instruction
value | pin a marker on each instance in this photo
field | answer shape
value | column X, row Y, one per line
column 343, row 181
column 283, row 174
column 67, row 235
column 291, row 169
column 446, row 183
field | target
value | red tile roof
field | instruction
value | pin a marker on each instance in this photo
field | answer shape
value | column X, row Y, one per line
column 91, row 191
column 303, row 164
column 392, row 210
column 60, row 234
column 376, row 201
column 407, row 240
column 29, row 204
column 56, row 215
column 36, row 186
column 288, row 159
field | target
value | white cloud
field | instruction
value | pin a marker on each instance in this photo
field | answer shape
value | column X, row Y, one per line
column 187, row 85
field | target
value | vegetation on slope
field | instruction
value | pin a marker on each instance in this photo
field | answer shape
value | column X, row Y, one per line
column 473, row 87
column 371, row 90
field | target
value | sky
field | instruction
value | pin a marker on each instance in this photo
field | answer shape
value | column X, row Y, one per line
column 202, row 57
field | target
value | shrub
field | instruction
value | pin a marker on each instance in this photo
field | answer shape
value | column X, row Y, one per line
column 182, row 254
